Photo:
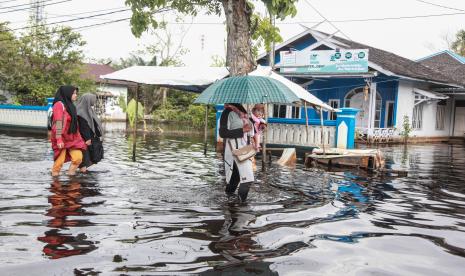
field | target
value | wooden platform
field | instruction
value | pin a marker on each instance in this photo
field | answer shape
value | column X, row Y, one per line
column 371, row 159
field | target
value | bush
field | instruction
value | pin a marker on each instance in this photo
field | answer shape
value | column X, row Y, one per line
column 194, row 115
column 406, row 129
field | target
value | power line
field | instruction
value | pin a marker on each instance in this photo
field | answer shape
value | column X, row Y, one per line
column 437, row 5
column 74, row 15
column 8, row 1
column 69, row 20
column 378, row 19
column 337, row 21
column 28, row 8
column 221, row 23
column 86, row 26
column 332, row 24
column 285, row 23
column 70, row 15
column 28, row 4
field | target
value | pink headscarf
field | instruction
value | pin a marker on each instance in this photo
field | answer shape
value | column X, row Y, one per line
column 241, row 114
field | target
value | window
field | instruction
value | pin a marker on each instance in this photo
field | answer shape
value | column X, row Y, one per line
column 389, row 120
column 417, row 118
column 440, row 115
column 279, row 111
column 334, row 103
column 286, row 111
column 295, row 112
column 378, row 112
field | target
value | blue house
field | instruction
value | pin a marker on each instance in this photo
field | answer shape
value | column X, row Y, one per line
column 393, row 89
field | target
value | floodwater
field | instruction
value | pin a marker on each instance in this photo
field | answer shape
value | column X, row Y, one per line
column 167, row 214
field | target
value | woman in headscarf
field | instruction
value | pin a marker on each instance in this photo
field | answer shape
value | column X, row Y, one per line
column 67, row 143
column 90, row 126
column 236, row 131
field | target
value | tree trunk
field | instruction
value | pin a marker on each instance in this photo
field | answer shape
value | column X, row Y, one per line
column 239, row 46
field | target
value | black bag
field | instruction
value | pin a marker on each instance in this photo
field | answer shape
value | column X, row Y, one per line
column 49, row 118
column 95, row 150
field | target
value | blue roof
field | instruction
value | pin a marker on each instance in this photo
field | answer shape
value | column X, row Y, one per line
column 449, row 52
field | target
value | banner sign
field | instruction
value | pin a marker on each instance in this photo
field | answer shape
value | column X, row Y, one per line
column 325, row 61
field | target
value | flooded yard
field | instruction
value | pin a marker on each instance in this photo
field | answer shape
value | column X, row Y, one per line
column 167, row 214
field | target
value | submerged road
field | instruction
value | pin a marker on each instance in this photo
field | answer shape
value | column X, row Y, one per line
column 167, row 213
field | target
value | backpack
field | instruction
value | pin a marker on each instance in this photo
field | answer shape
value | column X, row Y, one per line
column 50, row 116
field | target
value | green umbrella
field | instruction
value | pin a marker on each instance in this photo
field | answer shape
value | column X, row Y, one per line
column 247, row 90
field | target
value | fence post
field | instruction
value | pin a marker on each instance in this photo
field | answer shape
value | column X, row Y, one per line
column 50, row 101
column 345, row 128
column 219, row 141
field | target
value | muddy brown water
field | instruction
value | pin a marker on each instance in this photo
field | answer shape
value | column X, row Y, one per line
column 167, row 214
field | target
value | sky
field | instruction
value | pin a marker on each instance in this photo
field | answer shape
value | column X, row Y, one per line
column 204, row 36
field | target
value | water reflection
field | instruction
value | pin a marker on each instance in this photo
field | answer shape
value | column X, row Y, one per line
column 167, row 214
column 235, row 242
column 67, row 207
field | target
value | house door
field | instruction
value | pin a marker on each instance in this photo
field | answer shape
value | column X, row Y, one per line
column 358, row 101
column 459, row 126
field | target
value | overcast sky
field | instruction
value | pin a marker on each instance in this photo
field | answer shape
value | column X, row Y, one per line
column 412, row 38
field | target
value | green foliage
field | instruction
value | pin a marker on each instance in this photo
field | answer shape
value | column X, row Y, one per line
column 162, row 52
column 180, row 109
column 144, row 11
column 218, row 61
column 281, row 8
column 131, row 111
column 11, row 65
column 145, row 14
column 406, row 129
column 122, row 103
column 166, row 112
column 458, row 45
column 264, row 33
column 40, row 60
column 196, row 116
column 3, row 99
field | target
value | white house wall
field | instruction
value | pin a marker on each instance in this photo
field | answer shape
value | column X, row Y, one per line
column 112, row 108
column 405, row 105
column 405, row 102
column 454, row 118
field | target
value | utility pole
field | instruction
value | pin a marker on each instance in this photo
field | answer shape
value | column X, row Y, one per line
column 37, row 12
column 37, row 19
column 271, row 63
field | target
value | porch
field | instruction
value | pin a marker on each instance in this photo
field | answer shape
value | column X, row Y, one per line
column 288, row 126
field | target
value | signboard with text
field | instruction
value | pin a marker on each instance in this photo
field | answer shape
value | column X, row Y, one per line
column 325, row 61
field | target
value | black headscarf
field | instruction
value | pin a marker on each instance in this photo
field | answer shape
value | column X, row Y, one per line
column 64, row 95
column 239, row 106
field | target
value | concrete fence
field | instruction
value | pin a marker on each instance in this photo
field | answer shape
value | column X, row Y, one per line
column 24, row 116
column 301, row 135
column 34, row 117
column 338, row 133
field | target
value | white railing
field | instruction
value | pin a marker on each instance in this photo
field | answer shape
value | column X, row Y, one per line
column 35, row 118
column 379, row 135
column 298, row 135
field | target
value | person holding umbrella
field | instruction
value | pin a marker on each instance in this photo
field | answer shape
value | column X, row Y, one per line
column 236, row 131
column 235, row 127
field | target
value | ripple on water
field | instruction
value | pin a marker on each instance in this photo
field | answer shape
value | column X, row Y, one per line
column 167, row 213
